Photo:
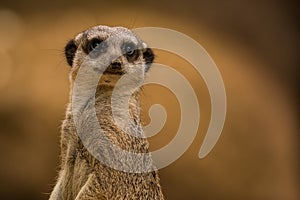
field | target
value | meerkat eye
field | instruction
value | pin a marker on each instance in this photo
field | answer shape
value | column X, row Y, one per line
column 129, row 49
column 95, row 47
column 93, row 44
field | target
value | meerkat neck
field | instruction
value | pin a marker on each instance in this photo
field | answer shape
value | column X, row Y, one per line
column 120, row 108
column 121, row 113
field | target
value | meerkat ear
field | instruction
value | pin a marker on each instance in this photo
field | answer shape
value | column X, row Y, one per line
column 149, row 57
column 70, row 50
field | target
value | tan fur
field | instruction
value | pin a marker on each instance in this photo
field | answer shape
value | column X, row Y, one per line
column 81, row 175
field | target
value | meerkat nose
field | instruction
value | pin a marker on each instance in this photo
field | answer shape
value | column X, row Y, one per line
column 116, row 65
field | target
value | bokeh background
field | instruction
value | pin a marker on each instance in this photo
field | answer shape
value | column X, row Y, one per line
column 255, row 45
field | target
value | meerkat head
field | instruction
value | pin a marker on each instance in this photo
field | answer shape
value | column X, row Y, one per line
column 109, row 51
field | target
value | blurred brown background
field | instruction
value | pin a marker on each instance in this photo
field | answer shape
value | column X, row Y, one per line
column 254, row 44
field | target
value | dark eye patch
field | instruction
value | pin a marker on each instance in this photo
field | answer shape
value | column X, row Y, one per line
column 95, row 47
column 130, row 50
column 93, row 44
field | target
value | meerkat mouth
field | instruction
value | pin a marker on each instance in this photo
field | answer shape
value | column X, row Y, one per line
column 110, row 75
column 115, row 68
column 110, row 71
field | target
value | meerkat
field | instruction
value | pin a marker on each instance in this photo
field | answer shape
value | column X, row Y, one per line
column 82, row 175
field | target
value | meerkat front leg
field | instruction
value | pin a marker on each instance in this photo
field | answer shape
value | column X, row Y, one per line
column 89, row 190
